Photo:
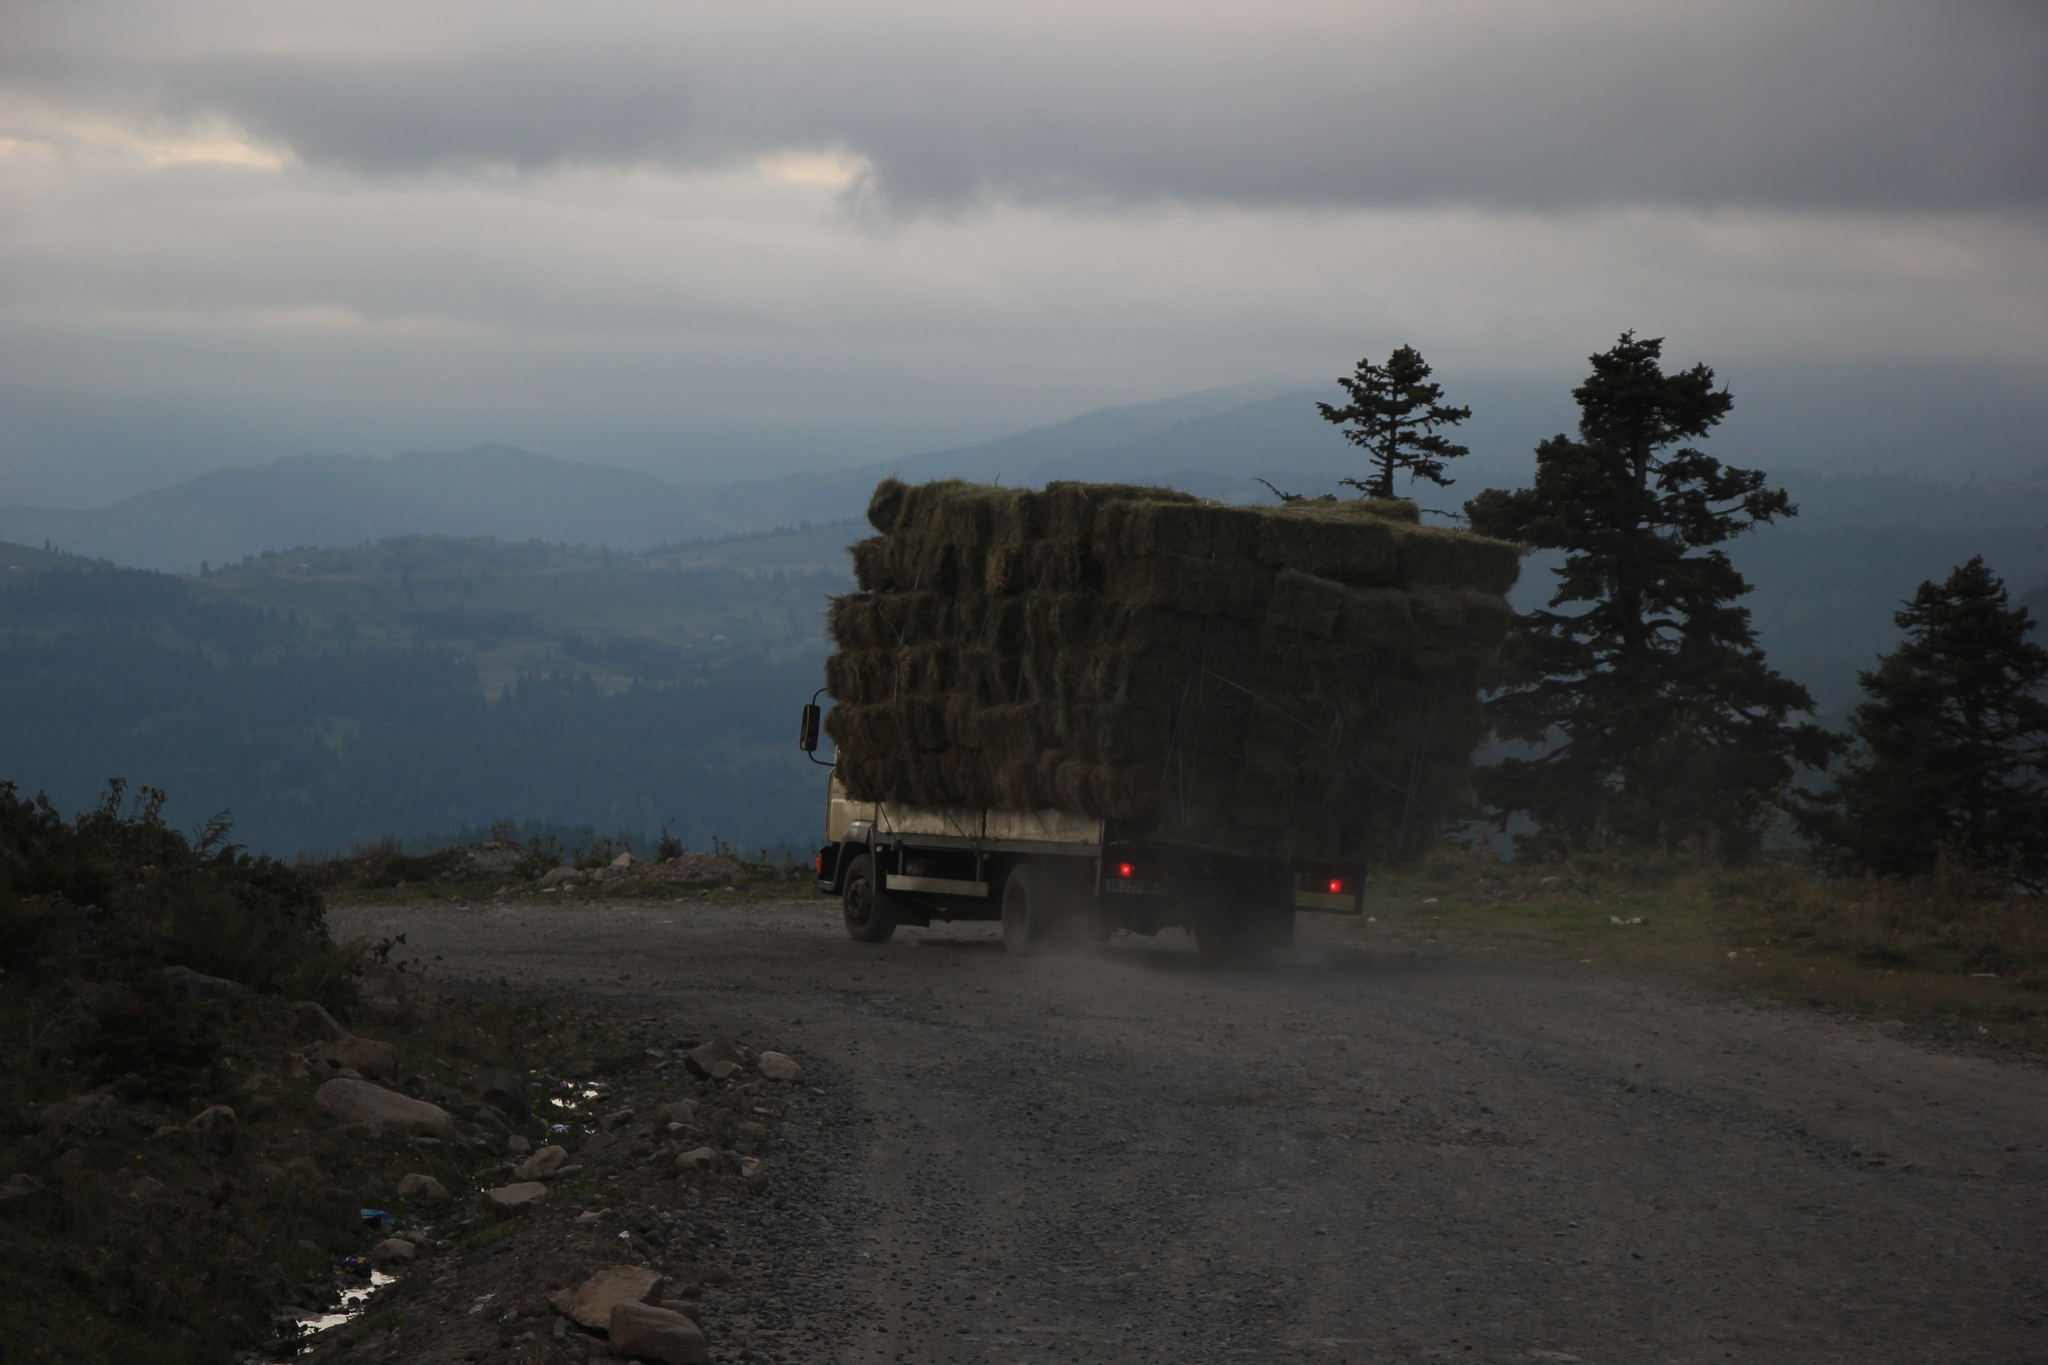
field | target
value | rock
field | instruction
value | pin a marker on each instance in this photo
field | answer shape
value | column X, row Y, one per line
column 374, row 1106
column 750, row 1167
column 704, row 1059
column 541, row 1164
column 615, row 1120
column 215, row 1127
column 23, row 1195
column 677, row 1111
column 88, row 1112
column 580, row 1071
column 518, row 1145
column 146, row 1187
column 596, row 1143
column 392, row 1249
column 591, row 1303
column 314, row 1018
column 487, row 1119
column 505, row 1092
column 417, row 1186
column 638, row 1329
column 697, row 1159
column 624, row 860
column 777, row 1067
column 72, row 1162
column 1547, row 881
column 753, row 1128
column 389, row 995
column 725, row 1071
column 196, row 986
column 523, row 1194
column 561, row 876
column 365, row 1056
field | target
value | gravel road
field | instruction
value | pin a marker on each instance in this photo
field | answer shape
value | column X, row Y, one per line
column 1352, row 1156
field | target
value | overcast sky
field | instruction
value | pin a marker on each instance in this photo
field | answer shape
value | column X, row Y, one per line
column 726, row 239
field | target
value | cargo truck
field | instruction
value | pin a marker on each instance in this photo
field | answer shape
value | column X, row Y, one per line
column 1056, row 877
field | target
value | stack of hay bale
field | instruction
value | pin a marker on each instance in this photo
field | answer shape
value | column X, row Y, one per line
column 1297, row 681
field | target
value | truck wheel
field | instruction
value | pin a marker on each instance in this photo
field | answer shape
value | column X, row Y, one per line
column 1028, row 913
column 869, row 915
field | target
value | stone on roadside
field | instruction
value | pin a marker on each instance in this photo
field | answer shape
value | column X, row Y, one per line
column 614, row 1120
column 561, row 876
column 146, row 1187
column 392, row 1249
column 677, row 1111
column 366, row 1056
column 624, row 860
column 651, row 1333
column 520, row 1195
column 487, row 1119
column 89, row 1112
column 505, row 1092
column 313, row 1017
column 518, row 1145
column 697, row 1159
column 541, row 1164
column 417, row 1186
column 776, row 1066
column 703, row 1060
column 197, row 986
column 590, row 1304
column 373, row 1106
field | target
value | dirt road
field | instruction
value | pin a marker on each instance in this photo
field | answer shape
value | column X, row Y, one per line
column 1348, row 1157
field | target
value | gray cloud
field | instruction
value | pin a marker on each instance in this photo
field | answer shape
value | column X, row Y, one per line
column 1835, row 104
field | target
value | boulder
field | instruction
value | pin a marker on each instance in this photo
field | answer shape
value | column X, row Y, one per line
column 89, row 1112
column 677, row 1111
column 505, row 1092
column 417, row 1186
column 518, row 1145
column 146, row 1187
column 704, row 1059
column 650, row 1333
column 541, row 1164
column 775, row 1066
column 591, row 1303
column 521, row 1195
column 561, row 876
column 697, row 1159
column 365, row 1056
column 624, row 860
column 392, row 1249
column 193, row 986
column 374, row 1106
column 312, row 1017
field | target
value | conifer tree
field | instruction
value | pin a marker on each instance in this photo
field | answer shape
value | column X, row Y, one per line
column 1658, row 718
column 1393, row 416
column 1953, row 738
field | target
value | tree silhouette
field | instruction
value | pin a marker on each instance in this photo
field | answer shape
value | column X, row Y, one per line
column 1659, row 718
column 1953, row 738
column 1393, row 416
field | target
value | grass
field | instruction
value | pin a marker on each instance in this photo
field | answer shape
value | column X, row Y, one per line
column 1955, row 954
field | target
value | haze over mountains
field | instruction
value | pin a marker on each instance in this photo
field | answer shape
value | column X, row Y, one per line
column 1216, row 442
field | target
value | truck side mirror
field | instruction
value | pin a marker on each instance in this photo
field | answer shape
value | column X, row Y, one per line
column 807, row 734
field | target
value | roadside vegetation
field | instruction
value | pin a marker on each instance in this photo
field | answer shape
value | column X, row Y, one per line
column 167, row 1011
column 1960, row 953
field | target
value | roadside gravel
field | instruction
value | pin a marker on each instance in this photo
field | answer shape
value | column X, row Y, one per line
column 1349, row 1156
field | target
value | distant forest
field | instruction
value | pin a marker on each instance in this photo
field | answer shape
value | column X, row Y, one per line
column 424, row 703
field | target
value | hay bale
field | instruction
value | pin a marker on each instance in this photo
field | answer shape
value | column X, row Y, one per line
column 1297, row 680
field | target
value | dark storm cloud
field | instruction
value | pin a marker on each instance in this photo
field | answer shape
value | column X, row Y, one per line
column 1851, row 104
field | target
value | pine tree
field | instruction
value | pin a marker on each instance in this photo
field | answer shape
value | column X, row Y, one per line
column 1659, row 720
column 1953, row 739
column 1393, row 416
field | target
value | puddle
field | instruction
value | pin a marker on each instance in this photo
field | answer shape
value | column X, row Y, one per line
column 354, row 1298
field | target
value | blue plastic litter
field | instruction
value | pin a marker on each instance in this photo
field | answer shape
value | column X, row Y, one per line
column 378, row 1219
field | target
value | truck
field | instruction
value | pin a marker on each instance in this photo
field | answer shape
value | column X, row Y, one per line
column 1099, row 707
column 1056, row 877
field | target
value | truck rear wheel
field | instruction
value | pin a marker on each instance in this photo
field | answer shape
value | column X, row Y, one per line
column 867, row 909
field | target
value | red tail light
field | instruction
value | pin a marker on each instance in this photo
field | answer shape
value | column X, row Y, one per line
column 1336, row 886
column 821, row 862
column 1126, row 870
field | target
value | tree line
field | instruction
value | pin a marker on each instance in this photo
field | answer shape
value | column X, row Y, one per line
column 1645, row 712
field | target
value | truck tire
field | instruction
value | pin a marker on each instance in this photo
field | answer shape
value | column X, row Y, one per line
column 1030, row 916
column 869, row 911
